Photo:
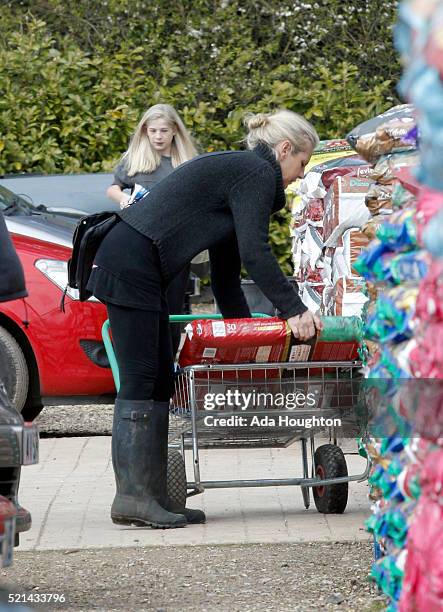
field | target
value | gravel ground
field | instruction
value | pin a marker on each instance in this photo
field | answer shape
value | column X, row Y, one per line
column 300, row 578
column 87, row 420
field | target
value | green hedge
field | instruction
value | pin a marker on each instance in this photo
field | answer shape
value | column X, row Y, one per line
column 76, row 75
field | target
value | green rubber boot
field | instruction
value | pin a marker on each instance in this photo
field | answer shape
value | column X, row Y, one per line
column 139, row 465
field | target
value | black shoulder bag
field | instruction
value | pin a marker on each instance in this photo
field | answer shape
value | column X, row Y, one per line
column 88, row 236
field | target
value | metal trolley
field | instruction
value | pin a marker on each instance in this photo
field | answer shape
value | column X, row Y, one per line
column 251, row 416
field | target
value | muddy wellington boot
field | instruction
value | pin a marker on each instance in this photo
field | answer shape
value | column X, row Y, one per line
column 192, row 516
column 139, row 466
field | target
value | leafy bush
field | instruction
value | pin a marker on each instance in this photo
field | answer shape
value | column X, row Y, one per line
column 76, row 75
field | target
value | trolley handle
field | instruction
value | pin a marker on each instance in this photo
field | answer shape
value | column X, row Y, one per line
column 186, row 318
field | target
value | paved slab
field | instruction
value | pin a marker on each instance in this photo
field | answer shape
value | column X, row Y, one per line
column 70, row 492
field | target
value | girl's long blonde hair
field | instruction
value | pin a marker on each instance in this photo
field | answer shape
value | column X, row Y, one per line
column 141, row 157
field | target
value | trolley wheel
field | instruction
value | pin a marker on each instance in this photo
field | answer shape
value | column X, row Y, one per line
column 177, row 483
column 330, row 462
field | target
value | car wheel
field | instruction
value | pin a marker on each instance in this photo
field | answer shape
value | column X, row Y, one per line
column 14, row 372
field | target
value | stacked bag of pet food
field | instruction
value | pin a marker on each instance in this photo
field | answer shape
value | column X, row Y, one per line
column 326, row 240
column 405, row 320
column 419, row 37
column 393, row 265
column 345, row 213
column 394, row 492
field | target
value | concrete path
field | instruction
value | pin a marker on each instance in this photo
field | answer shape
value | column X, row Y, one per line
column 70, row 492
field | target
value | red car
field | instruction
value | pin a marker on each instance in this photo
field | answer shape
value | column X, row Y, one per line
column 47, row 355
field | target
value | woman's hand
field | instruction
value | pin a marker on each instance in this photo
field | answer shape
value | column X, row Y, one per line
column 305, row 326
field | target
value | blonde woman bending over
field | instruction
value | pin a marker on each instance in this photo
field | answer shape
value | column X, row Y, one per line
column 219, row 201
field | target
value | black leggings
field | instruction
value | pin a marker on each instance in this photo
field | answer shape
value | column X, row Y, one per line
column 143, row 349
column 175, row 294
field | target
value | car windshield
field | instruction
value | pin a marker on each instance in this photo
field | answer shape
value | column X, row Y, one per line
column 16, row 204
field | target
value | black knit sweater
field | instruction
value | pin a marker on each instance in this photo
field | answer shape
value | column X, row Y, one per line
column 221, row 202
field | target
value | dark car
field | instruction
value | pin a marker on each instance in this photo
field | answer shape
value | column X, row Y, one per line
column 19, row 445
column 7, row 531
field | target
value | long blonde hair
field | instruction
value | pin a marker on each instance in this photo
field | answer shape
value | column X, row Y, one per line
column 141, row 157
column 272, row 128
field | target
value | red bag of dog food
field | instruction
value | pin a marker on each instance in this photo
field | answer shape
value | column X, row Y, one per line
column 344, row 207
column 360, row 172
column 236, row 341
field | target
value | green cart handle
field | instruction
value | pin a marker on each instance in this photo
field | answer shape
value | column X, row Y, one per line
column 198, row 317
column 336, row 329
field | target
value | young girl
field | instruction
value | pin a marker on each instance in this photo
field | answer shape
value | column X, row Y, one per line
column 159, row 144
column 218, row 201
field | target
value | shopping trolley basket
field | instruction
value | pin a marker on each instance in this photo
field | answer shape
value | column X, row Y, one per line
column 333, row 390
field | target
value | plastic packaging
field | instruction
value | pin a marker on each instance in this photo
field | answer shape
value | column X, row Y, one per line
column 348, row 160
column 392, row 364
column 422, row 403
column 341, row 329
column 370, row 228
column 429, row 203
column 403, row 267
column 138, row 193
column 387, row 167
column 426, row 360
column 379, row 199
column 399, row 231
column 423, row 584
column 236, row 341
column 401, row 197
column 344, row 207
column 368, row 259
column 385, row 133
column 394, row 268
column 315, row 210
column 422, row 85
column 433, row 233
column 392, row 319
column 429, row 306
column 359, row 171
column 332, row 146
column 434, row 46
